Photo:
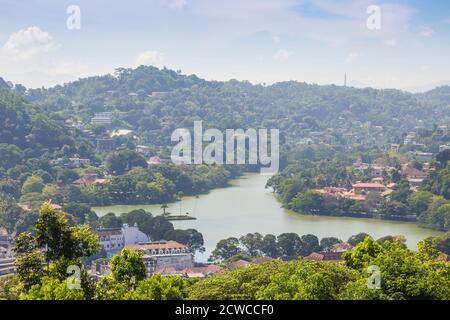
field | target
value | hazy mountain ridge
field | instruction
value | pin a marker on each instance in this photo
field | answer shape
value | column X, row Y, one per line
column 156, row 101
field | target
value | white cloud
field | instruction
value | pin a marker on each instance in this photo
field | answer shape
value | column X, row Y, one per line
column 32, row 57
column 27, row 43
column 175, row 4
column 426, row 32
column 391, row 43
column 282, row 55
column 152, row 57
column 69, row 69
column 352, row 57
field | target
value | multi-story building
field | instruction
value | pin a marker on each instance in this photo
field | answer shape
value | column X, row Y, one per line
column 409, row 139
column 105, row 144
column 112, row 240
column 162, row 255
column 105, row 118
column 115, row 239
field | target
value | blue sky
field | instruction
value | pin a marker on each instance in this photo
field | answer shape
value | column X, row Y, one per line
column 263, row 41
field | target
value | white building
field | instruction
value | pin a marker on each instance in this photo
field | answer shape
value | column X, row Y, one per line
column 133, row 235
column 163, row 255
column 409, row 139
column 114, row 240
column 101, row 120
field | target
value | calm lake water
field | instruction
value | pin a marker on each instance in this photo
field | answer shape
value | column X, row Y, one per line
column 247, row 206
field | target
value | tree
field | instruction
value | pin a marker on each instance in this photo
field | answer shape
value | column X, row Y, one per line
column 225, row 249
column 310, row 244
column 10, row 212
column 393, row 209
column 123, row 161
column 396, row 176
column 156, row 227
column 363, row 254
column 443, row 157
column 443, row 243
column 33, row 184
column 60, row 240
column 160, row 287
column 419, row 201
column 53, row 289
column 401, row 193
column 83, row 213
column 309, row 202
column 128, row 267
column 328, row 242
column 252, row 243
column 29, row 261
column 189, row 237
column 110, row 220
column 290, row 244
column 269, row 246
column 64, row 246
column 239, row 284
column 357, row 238
column 306, row 280
column 11, row 155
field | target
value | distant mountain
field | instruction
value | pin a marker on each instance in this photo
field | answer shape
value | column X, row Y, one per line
column 153, row 102
column 3, row 84
column 426, row 88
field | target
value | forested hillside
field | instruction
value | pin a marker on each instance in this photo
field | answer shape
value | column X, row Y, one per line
column 156, row 102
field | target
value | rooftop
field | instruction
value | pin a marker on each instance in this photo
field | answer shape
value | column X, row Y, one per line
column 369, row 185
column 157, row 245
column 325, row 256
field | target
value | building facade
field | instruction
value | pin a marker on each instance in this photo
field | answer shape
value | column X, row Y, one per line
column 163, row 255
column 114, row 240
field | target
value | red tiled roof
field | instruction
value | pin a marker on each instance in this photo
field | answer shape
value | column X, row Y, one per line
column 239, row 264
column 325, row 256
column 369, row 185
column 210, row 269
column 413, row 173
column 341, row 247
column 157, row 245
column 108, row 232
column 259, row 260
column 168, row 270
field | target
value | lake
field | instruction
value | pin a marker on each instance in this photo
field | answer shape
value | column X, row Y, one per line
column 246, row 206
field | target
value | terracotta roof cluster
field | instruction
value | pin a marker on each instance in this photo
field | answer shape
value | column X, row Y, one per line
column 325, row 256
column 210, row 269
column 167, row 271
column 341, row 247
column 260, row 260
column 239, row 264
column 413, row 173
column 342, row 192
column 109, row 232
column 367, row 185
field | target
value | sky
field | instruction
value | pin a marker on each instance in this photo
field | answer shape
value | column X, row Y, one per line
column 384, row 44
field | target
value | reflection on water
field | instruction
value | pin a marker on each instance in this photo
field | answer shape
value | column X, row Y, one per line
column 248, row 207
